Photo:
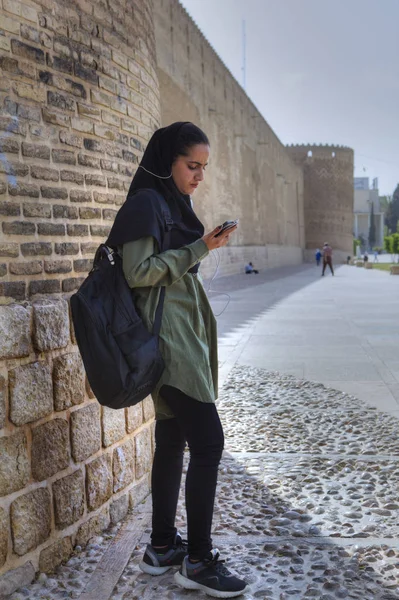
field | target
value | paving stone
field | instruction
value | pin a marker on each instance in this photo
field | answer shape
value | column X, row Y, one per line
column 85, row 432
column 302, row 417
column 30, row 520
column 15, row 331
column 69, row 499
column 99, row 481
column 50, row 448
column 14, row 464
column 335, row 497
column 55, row 312
column 68, row 380
column 31, row 393
column 16, row 578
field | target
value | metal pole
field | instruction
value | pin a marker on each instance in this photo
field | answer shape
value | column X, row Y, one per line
column 244, row 42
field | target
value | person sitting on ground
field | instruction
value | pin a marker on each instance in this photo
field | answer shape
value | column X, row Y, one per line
column 249, row 268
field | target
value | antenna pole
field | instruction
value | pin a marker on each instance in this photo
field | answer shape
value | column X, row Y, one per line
column 244, row 42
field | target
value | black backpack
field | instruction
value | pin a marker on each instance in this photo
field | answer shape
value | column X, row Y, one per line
column 121, row 357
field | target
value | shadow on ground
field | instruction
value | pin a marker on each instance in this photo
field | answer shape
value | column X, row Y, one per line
column 278, row 284
column 301, row 511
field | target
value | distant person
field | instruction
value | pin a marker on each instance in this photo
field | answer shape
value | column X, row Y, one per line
column 318, row 257
column 327, row 258
column 249, row 268
column 348, row 260
column 375, row 255
column 365, row 258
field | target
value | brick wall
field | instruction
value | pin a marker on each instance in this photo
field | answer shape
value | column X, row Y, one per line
column 79, row 99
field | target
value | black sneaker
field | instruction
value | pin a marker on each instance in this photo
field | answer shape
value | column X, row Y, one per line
column 211, row 577
column 154, row 563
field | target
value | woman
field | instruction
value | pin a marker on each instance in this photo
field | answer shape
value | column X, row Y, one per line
column 173, row 165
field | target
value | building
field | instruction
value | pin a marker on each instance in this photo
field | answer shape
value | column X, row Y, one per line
column 365, row 198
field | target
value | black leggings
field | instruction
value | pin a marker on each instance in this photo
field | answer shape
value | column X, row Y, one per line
column 197, row 423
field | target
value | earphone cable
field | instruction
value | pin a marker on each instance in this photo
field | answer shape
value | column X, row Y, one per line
column 158, row 176
column 209, row 290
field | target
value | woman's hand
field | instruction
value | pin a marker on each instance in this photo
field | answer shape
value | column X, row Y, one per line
column 217, row 242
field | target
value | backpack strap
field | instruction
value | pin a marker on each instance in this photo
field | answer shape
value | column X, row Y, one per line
column 165, row 245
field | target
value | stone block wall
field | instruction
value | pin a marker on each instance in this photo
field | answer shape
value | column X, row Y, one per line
column 69, row 467
column 79, row 99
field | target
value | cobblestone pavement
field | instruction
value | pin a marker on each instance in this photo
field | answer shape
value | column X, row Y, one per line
column 307, row 503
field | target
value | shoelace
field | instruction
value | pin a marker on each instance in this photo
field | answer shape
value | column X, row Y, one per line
column 181, row 544
column 218, row 564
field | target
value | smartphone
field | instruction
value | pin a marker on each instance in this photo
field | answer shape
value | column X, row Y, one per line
column 227, row 225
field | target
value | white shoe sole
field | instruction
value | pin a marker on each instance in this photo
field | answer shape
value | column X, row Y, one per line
column 150, row 570
column 188, row 584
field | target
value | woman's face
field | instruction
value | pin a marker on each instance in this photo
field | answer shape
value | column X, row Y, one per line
column 188, row 171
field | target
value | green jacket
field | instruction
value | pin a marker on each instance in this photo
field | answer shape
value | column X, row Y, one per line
column 188, row 337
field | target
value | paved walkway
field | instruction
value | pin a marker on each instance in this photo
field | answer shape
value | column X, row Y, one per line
column 307, row 502
column 342, row 331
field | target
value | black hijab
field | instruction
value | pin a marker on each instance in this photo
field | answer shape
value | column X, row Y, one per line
column 142, row 214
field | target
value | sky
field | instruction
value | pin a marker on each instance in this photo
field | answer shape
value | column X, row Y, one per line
column 319, row 71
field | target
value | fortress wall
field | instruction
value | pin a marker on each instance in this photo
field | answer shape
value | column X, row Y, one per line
column 250, row 175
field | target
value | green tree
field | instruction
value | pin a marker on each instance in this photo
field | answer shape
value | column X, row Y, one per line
column 392, row 213
column 388, row 243
column 372, row 227
column 395, row 244
column 385, row 202
column 356, row 243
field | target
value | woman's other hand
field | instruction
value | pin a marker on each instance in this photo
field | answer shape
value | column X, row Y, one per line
column 217, row 242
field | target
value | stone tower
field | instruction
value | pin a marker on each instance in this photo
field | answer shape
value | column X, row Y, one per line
column 328, row 196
